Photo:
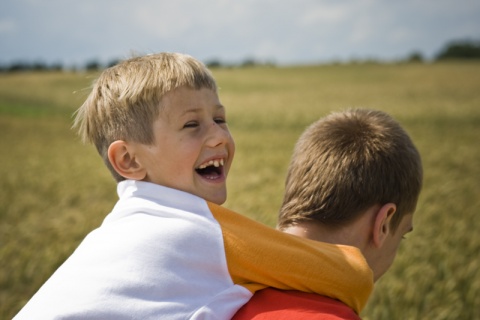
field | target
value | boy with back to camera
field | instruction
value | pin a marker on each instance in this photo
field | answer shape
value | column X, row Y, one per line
column 354, row 180
column 168, row 250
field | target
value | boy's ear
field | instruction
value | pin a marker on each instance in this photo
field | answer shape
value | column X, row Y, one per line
column 382, row 221
column 122, row 158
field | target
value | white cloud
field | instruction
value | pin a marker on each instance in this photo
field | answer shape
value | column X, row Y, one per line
column 325, row 14
column 7, row 26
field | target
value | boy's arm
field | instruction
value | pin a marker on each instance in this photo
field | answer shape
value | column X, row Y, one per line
column 259, row 256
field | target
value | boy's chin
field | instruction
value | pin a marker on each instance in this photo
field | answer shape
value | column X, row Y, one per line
column 218, row 198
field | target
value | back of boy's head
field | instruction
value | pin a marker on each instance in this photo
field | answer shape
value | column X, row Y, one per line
column 126, row 98
column 347, row 162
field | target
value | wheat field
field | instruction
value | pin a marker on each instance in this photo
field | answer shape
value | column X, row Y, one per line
column 54, row 190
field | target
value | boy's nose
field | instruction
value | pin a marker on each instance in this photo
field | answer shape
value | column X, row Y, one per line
column 218, row 135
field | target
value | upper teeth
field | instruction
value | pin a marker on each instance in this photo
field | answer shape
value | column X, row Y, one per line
column 216, row 163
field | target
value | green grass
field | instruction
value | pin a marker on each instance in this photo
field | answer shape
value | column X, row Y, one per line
column 55, row 190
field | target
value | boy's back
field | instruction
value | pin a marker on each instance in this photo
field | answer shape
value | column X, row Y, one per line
column 354, row 179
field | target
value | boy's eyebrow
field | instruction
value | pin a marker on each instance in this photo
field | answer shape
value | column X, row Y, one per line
column 219, row 106
column 191, row 110
column 198, row 109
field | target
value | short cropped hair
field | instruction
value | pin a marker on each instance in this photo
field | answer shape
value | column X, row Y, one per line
column 347, row 162
column 126, row 99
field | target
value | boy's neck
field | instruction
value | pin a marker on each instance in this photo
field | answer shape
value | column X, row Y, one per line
column 356, row 233
column 323, row 233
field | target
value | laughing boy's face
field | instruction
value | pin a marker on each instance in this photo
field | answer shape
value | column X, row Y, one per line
column 193, row 149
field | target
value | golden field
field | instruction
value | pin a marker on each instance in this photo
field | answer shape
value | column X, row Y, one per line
column 54, row 190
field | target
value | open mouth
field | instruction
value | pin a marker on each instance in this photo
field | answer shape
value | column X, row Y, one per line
column 211, row 170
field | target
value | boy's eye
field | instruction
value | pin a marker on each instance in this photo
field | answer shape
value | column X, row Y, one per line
column 191, row 124
column 220, row 120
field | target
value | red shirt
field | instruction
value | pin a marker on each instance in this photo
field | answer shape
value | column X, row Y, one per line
column 277, row 304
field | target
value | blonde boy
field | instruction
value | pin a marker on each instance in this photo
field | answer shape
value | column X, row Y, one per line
column 354, row 179
column 167, row 250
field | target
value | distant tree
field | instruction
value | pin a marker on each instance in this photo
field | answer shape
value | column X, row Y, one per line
column 92, row 65
column 415, row 56
column 249, row 62
column 270, row 63
column 113, row 63
column 57, row 66
column 214, row 63
column 19, row 66
column 39, row 66
column 460, row 49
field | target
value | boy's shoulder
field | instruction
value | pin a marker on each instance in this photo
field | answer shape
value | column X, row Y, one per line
column 134, row 193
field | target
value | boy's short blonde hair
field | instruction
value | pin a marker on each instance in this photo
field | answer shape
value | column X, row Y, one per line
column 347, row 162
column 126, row 98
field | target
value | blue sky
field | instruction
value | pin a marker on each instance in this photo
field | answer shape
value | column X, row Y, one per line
column 73, row 32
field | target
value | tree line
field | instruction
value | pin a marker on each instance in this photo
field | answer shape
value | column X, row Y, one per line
column 454, row 50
